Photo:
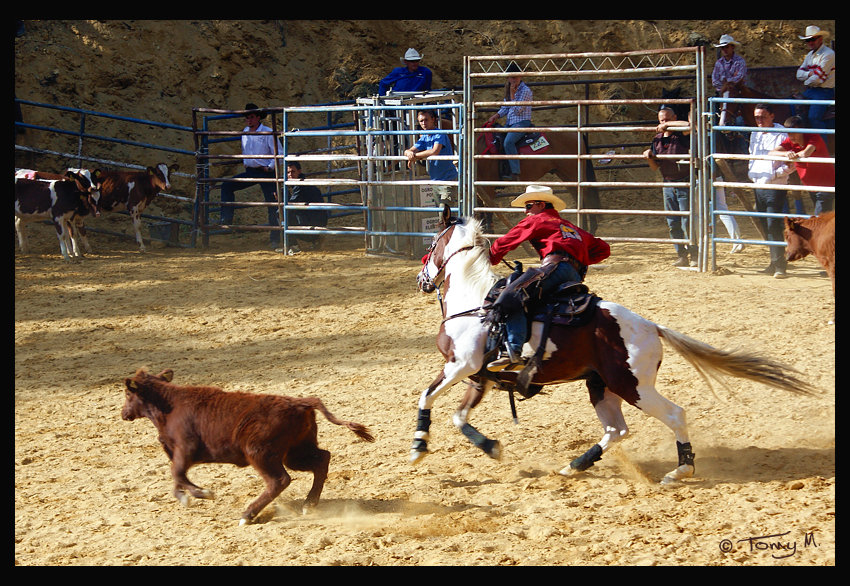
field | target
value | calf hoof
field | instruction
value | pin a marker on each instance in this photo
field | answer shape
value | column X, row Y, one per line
column 244, row 521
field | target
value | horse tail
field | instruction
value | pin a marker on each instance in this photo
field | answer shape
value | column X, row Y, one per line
column 711, row 362
column 360, row 430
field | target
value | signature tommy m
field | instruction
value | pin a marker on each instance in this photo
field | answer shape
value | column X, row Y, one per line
column 777, row 544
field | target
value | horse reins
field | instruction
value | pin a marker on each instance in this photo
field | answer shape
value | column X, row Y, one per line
column 442, row 268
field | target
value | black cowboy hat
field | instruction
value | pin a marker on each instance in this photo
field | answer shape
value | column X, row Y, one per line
column 256, row 110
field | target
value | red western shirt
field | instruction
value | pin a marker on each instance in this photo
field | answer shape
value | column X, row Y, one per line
column 813, row 174
column 548, row 232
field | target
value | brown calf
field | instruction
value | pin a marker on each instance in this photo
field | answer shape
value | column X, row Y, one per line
column 207, row 425
column 133, row 191
column 815, row 235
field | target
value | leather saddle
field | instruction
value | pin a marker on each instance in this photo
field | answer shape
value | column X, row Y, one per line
column 531, row 143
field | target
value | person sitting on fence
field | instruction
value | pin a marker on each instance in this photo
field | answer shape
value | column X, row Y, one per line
column 306, row 194
column 516, row 116
column 413, row 77
column 253, row 144
column 730, row 70
column 432, row 144
column 818, row 75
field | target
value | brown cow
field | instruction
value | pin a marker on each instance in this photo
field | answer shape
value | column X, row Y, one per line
column 208, row 425
column 815, row 235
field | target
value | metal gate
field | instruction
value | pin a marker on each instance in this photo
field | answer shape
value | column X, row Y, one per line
column 566, row 70
column 364, row 170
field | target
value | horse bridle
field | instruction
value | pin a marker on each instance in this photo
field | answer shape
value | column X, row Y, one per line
column 428, row 280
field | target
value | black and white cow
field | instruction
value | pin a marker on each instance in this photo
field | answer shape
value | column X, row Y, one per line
column 59, row 201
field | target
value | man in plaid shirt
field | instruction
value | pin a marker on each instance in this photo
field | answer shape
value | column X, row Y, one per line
column 516, row 116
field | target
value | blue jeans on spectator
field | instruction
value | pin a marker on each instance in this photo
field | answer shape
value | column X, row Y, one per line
column 818, row 111
column 268, row 187
column 822, row 201
column 677, row 199
column 773, row 201
column 511, row 138
column 517, row 324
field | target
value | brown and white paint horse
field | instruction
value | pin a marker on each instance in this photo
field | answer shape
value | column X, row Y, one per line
column 617, row 353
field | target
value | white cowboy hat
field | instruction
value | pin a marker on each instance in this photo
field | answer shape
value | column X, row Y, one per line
column 726, row 40
column 539, row 193
column 812, row 32
column 411, row 55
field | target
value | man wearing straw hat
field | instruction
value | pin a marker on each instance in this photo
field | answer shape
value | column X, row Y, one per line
column 817, row 74
column 730, row 69
column 566, row 251
column 413, row 77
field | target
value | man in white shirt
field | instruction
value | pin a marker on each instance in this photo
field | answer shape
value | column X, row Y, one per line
column 261, row 168
column 764, row 172
column 817, row 74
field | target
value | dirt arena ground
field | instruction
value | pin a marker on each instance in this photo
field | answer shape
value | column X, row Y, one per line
column 91, row 489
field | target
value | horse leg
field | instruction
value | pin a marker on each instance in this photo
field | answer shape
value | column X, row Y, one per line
column 610, row 414
column 652, row 403
column 476, row 391
column 452, row 373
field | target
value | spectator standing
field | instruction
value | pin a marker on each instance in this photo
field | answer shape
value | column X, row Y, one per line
column 412, row 77
column 669, row 141
column 433, row 144
column 801, row 145
column 255, row 168
column 766, row 172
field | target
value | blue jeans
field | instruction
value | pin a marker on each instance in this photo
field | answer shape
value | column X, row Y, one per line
column 511, row 138
column 517, row 324
column 773, row 201
column 822, row 201
column 677, row 199
column 818, row 111
column 227, row 195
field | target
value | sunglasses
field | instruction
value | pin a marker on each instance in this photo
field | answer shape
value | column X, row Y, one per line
column 531, row 204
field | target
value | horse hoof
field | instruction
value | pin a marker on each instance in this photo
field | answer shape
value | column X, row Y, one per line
column 568, row 471
column 494, row 450
column 683, row 471
column 417, row 456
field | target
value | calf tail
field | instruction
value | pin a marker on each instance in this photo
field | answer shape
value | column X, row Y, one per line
column 711, row 362
column 361, row 430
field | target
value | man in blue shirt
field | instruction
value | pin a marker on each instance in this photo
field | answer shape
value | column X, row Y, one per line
column 413, row 77
column 430, row 145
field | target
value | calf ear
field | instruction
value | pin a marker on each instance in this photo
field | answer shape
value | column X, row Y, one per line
column 790, row 224
column 130, row 383
column 167, row 375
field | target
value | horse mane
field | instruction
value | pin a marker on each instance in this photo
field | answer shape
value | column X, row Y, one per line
column 475, row 265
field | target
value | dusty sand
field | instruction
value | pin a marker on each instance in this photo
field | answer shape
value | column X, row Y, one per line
column 91, row 489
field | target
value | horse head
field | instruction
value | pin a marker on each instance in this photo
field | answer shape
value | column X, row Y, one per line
column 434, row 260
